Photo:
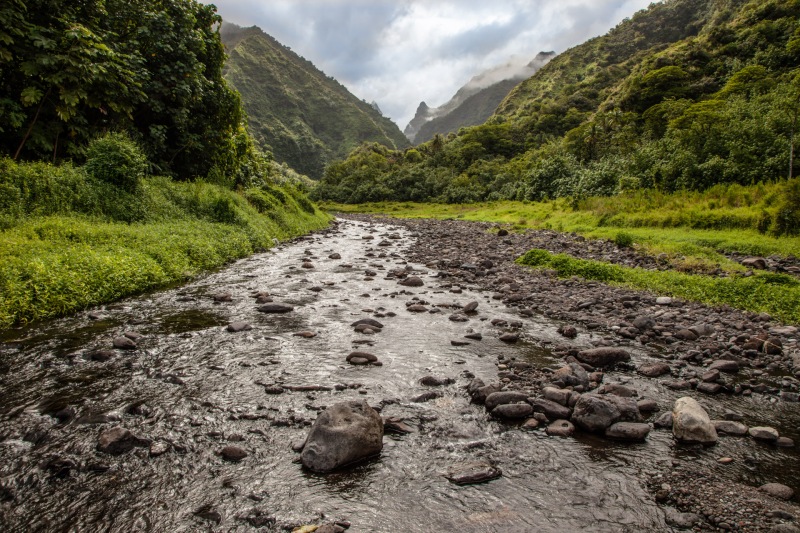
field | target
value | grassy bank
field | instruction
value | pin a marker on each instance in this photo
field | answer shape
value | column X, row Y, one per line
column 68, row 241
column 775, row 294
column 694, row 229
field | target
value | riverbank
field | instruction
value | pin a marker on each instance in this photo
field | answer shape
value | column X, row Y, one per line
column 687, row 337
column 69, row 242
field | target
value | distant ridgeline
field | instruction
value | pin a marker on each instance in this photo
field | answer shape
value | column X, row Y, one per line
column 683, row 95
column 473, row 103
column 305, row 118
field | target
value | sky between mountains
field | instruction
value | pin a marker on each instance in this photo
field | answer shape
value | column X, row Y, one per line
column 399, row 53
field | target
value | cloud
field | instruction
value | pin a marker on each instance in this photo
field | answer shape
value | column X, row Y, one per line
column 399, row 53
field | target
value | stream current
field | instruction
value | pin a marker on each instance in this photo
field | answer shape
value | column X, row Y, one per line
column 196, row 388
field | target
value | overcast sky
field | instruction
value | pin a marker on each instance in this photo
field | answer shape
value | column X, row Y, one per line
column 399, row 53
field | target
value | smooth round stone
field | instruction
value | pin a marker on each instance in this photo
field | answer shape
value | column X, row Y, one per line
column 560, row 428
column 358, row 361
column 628, row 431
column 513, row 410
column 764, row 433
column 233, row 453
column 777, row 490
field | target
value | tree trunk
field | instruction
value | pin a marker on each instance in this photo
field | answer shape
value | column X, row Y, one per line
column 33, row 123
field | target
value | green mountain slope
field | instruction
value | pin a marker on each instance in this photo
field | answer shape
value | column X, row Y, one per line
column 683, row 95
column 304, row 117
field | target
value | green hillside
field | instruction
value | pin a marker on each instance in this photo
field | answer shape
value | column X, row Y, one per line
column 683, row 95
column 305, row 118
column 471, row 112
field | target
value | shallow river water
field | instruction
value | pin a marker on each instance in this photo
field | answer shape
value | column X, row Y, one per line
column 196, row 388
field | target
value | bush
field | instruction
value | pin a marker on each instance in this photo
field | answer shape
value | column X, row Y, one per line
column 623, row 240
column 114, row 158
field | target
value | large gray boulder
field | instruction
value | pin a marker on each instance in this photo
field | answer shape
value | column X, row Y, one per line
column 597, row 413
column 344, row 433
column 690, row 422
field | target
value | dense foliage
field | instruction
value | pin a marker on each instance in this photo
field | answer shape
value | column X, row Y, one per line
column 71, row 69
column 305, row 118
column 70, row 238
column 684, row 95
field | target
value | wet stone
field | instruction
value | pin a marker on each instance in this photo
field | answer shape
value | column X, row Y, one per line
column 118, row 440
column 777, row 490
column 499, row 398
column 509, row 338
column 603, row 357
column 435, row 381
column 472, row 473
column 764, row 433
column 654, row 370
column 233, row 453
column 305, row 334
column 124, row 343
column 513, row 410
column 628, row 431
column 560, row 428
column 275, row 308
column 729, row 427
column 235, row 327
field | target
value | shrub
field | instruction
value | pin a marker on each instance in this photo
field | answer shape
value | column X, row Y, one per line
column 114, row 158
column 623, row 240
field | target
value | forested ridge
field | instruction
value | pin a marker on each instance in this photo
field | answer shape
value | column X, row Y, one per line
column 684, row 95
column 304, row 117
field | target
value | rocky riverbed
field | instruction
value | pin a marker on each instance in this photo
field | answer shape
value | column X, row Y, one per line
column 187, row 409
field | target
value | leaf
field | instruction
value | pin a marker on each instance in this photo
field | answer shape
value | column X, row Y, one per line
column 30, row 96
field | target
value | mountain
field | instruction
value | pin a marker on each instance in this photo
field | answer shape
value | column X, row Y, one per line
column 304, row 117
column 474, row 102
column 683, row 95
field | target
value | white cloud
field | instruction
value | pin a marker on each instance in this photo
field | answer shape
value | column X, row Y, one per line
column 399, row 53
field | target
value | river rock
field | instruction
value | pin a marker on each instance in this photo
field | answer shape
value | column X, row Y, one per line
column 560, row 396
column 275, row 308
column 480, row 394
column 647, row 405
column 777, row 490
column 569, row 332
column 371, row 322
column 101, row 355
column 663, row 300
column 470, row 307
column 681, row 520
column 435, row 381
column 235, row 327
column 758, row 263
column 628, row 431
column 690, row 422
column 472, row 473
column 552, row 410
column 724, row 365
column 603, row 357
column 344, row 433
column 124, row 343
column 709, row 388
column 366, row 357
column 594, row 412
column 764, row 433
column 509, row 338
column 654, row 370
column 500, row 398
column 729, row 427
column 571, row 375
column 513, row 410
column 664, row 420
column 686, row 335
column 618, row 390
column 118, row 440
column 412, row 281
column 233, row 453
column 560, row 428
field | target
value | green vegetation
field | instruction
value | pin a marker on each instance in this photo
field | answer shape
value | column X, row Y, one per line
column 684, row 95
column 71, row 70
column 775, row 294
column 305, row 118
column 70, row 239
column 692, row 228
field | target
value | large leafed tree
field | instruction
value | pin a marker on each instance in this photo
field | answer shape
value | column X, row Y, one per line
column 71, row 69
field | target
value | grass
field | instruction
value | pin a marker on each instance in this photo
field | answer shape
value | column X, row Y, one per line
column 64, row 247
column 776, row 294
column 693, row 229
